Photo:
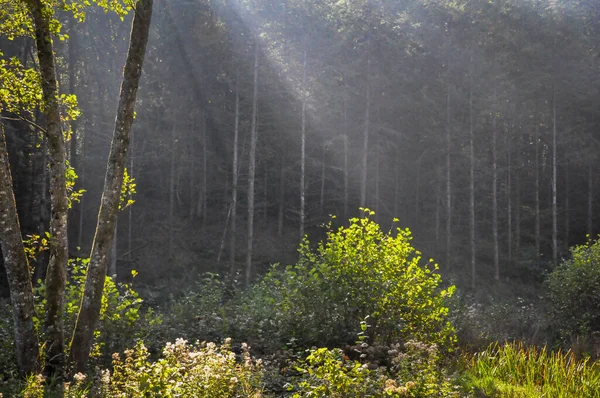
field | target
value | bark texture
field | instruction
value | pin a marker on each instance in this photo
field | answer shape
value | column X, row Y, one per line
column 56, row 273
column 90, row 305
column 17, row 270
column 252, row 168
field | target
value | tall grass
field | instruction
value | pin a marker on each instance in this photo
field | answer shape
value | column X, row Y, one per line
column 516, row 370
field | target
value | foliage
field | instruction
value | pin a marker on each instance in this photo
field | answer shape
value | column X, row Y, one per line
column 127, row 191
column 357, row 271
column 515, row 370
column 198, row 314
column 72, row 194
column 573, row 292
column 122, row 319
column 414, row 371
column 329, row 373
column 201, row 370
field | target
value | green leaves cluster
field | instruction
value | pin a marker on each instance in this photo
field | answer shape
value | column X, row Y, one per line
column 357, row 271
column 573, row 292
column 127, row 191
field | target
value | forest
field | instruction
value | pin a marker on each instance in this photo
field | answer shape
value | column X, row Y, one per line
column 299, row 198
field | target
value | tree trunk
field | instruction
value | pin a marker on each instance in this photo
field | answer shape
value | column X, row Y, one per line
column 590, row 204
column 567, row 205
column 252, row 168
column 130, row 210
column 17, row 270
column 281, row 197
column 322, row 195
column 303, row 150
column 204, row 171
column 472, row 188
column 112, row 264
column 90, row 305
column 73, row 155
column 495, row 194
column 518, row 199
column 537, row 192
column 554, row 194
column 365, row 151
column 234, row 182
column 172, row 188
column 509, row 227
column 345, row 127
column 56, row 273
column 448, row 183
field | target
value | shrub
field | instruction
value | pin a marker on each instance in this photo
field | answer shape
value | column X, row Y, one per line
column 122, row 319
column 415, row 371
column 357, row 271
column 202, row 370
column 198, row 314
column 573, row 291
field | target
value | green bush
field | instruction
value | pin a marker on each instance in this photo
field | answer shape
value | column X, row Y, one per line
column 198, row 314
column 573, row 292
column 203, row 370
column 357, row 271
column 415, row 371
column 122, row 319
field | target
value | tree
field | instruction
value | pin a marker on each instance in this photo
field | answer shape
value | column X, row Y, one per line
column 89, row 311
column 17, row 269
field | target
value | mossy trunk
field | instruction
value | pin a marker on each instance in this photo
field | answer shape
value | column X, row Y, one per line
column 58, row 247
column 17, row 270
column 89, row 312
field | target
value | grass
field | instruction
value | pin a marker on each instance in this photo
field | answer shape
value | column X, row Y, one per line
column 516, row 370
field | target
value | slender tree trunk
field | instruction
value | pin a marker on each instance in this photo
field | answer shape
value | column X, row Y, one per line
column 112, row 264
column 90, row 304
column 234, row 182
column 322, row 195
column 509, row 228
column 204, row 171
column 172, row 188
column 17, row 270
column 56, row 273
column 303, row 150
column 438, row 205
column 537, row 192
column 365, row 151
column 448, row 182
column 73, row 156
column 265, row 195
column 554, row 194
column 472, row 187
column 130, row 210
column 376, row 205
column 567, row 205
column 252, row 168
column 590, row 204
column 495, row 194
column 346, row 155
column 518, row 199
column 281, row 197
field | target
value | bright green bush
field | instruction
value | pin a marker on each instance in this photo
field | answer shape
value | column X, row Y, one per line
column 357, row 271
column 573, row 289
column 203, row 370
column 122, row 319
column 415, row 371
column 515, row 370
